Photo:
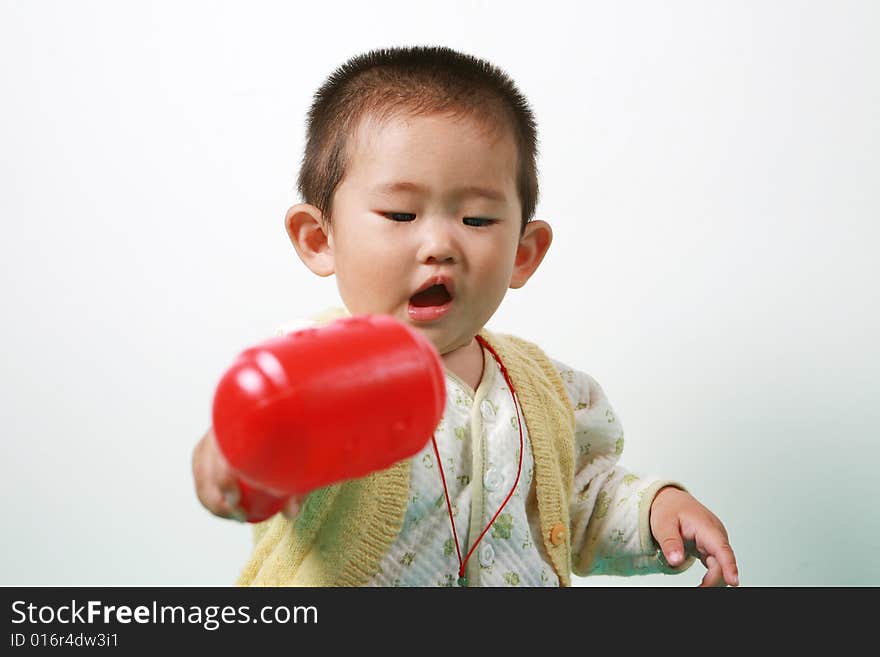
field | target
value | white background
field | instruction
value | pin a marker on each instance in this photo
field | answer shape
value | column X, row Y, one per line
column 710, row 170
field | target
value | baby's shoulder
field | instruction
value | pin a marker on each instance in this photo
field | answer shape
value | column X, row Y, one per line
column 582, row 389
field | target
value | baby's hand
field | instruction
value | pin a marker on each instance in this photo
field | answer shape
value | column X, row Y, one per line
column 215, row 481
column 216, row 484
column 678, row 518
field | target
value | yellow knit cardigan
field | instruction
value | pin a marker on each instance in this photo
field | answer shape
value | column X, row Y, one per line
column 344, row 530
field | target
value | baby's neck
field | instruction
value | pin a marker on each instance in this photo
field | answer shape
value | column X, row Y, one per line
column 466, row 363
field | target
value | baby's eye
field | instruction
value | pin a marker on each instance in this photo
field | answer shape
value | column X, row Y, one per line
column 400, row 216
column 477, row 221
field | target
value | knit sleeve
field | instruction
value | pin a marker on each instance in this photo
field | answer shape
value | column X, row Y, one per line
column 609, row 507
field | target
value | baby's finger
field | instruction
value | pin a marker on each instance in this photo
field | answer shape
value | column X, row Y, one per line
column 224, row 478
column 718, row 546
column 727, row 560
column 222, row 504
column 232, row 509
column 713, row 572
column 225, row 495
column 671, row 543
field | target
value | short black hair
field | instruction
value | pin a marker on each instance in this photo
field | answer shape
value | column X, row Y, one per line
column 412, row 80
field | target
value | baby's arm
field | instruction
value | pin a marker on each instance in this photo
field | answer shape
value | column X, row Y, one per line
column 618, row 519
column 610, row 507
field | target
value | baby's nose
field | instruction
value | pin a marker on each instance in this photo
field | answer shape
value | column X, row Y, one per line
column 449, row 259
column 438, row 244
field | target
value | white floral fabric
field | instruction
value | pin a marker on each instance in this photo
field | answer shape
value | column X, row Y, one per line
column 478, row 440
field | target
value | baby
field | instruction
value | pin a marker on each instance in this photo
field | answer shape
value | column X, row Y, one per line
column 419, row 181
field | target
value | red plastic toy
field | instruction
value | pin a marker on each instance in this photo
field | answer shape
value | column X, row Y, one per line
column 322, row 405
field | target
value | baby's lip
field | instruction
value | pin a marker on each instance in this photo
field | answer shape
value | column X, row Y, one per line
column 438, row 279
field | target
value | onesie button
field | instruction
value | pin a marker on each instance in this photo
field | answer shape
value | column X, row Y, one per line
column 557, row 533
column 492, row 479
column 487, row 410
column 487, row 555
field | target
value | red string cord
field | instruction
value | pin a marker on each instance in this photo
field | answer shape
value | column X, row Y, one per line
column 463, row 563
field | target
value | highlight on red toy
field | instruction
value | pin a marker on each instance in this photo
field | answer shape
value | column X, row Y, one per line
column 325, row 404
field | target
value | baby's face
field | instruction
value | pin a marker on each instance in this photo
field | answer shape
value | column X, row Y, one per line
column 391, row 241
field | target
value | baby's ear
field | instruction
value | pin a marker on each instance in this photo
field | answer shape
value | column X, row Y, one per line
column 308, row 233
column 530, row 252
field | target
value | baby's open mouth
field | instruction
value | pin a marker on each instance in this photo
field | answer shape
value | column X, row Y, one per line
column 436, row 295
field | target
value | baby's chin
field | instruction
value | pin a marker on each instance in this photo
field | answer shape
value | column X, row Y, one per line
column 445, row 343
